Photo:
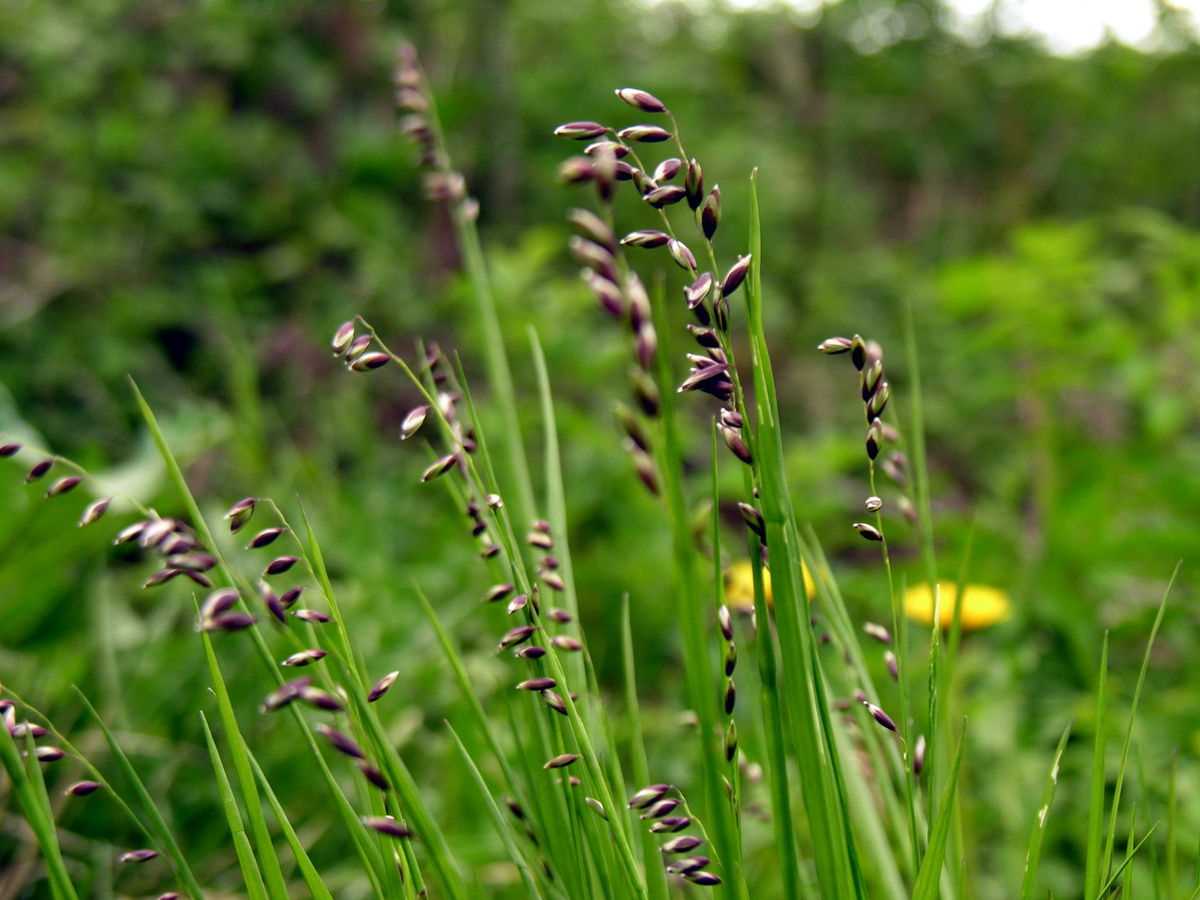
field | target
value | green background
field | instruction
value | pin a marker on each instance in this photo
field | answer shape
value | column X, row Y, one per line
column 196, row 194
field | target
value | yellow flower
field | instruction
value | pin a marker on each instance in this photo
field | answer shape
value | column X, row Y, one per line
column 739, row 585
column 982, row 605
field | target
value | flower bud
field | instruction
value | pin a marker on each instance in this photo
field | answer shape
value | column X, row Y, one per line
column 710, row 214
column 644, row 134
column 580, row 131
column 640, row 99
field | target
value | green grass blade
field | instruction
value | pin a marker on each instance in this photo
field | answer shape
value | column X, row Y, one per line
column 1033, row 854
column 656, row 879
column 1095, row 832
column 308, row 871
column 819, row 788
column 268, row 859
column 503, row 826
column 1116, row 875
column 378, row 870
column 157, row 829
column 251, row 876
column 35, row 806
column 702, row 687
column 1106, row 860
column 929, row 876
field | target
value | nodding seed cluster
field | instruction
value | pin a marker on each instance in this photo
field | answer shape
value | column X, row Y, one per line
column 60, row 486
column 46, row 754
column 418, row 123
column 867, row 357
column 666, row 809
column 611, row 157
column 729, row 690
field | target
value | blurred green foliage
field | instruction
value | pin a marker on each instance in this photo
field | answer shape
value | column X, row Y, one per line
column 197, row 193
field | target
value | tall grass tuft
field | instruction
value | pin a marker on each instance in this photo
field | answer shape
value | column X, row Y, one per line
column 862, row 781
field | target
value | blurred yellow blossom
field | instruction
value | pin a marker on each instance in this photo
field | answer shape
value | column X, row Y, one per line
column 739, row 585
column 983, row 606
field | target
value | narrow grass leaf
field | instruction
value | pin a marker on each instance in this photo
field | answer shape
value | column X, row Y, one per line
column 251, row 876
column 1033, row 853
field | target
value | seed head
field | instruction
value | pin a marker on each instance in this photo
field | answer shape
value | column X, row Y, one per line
column 730, row 658
column 694, row 184
column 228, row 621
column 918, row 762
column 537, row 684
column 644, row 134
column 388, row 826
column 682, row 255
column 687, row 865
column 342, row 338
column 289, row 597
column 835, row 345
column 533, row 651
column 648, row 795
column 382, row 686
column 320, row 699
column 730, row 698
column 40, row 468
column 94, row 511
column 517, row 603
column 342, row 743
column 368, row 361
column 640, row 99
column 9, row 449
column 880, row 716
column 731, row 741
column 682, row 844
column 670, row 825
column 280, row 564
column 753, row 519
column 497, row 592
column 858, row 351
column 660, row 808
column 137, row 856
column 703, row 879
column 217, row 602
column 874, row 439
column 645, row 345
column 667, row 195
column 878, row 401
column 710, row 212
column 515, row 636
column 733, row 440
column 893, row 666
column 82, row 788
column 580, row 131
column 561, row 761
column 284, row 694
column 881, row 634
column 873, row 504
column 596, row 806
column 735, row 276
column 48, row 754
column 868, row 532
column 439, row 467
column 304, row 657
column 63, row 485
column 725, row 621
column 239, row 514
column 667, row 169
column 560, row 615
column 598, row 148
column 566, row 643
column 647, row 239
column 374, row 776
column 313, row 616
